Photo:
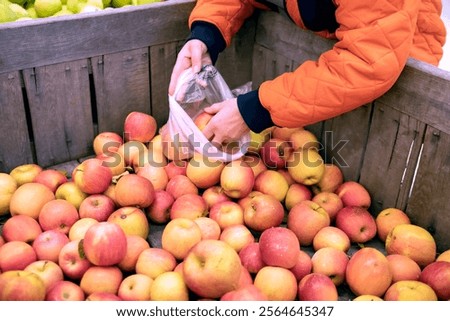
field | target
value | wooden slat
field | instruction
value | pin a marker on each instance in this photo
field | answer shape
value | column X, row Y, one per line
column 15, row 148
column 59, row 99
column 39, row 42
column 344, row 139
column 162, row 60
column 429, row 204
column 122, row 85
column 389, row 157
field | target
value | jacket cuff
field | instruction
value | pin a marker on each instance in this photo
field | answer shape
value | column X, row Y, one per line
column 253, row 112
column 211, row 36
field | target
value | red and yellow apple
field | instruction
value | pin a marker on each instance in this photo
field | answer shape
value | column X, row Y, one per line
column 134, row 190
column 306, row 166
column 353, row 193
column 237, row 236
column 97, row 206
column 272, row 182
column 132, row 220
column 188, row 206
column 58, row 214
column 48, row 244
column 29, row 198
column 159, row 210
column 237, row 179
column 154, row 261
column 331, row 262
column 317, row 287
column 135, row 287
column 19, row 285
column 262, row 212
column 21, row 228
column 410, row 290
column 65, row 291
column 387, row 219
column 139, row 126
column 8, row 186
column 277, row 283
column 203, row 171
column 135, row 246
column 72, row 260
column 103, row 279
column 179, row 236
column 295, row 194
column 169, row 286
column 227, row 213
column 403, row 268
column 91, row 176
column 279, row 246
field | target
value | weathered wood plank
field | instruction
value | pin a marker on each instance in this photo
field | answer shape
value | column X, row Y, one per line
column 15, row 148
column 122, row 85
column 429, row 205
column 162, row 60
column 39, row 42
column 344, row 139
column 59, row 100
column 389, row 157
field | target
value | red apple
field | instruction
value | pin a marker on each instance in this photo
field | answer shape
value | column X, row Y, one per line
column 209, row 228
column 104, row 279
column 202, row 119
column 357, row 223
column 437, row 276
column 237, row 179
column 278, row 283
column 139, row 126
column 331, row 179
column 203, row 171
column 330, row 202
column 103, row 296
column 317, row 287
column 180, row 185
column 16, row 255
column 227, row 213
column 353, row 194
column 387, row 219
column 272, row 182
column 256, row 164
column 154, row 261
column 58, row 215
column 262, row 212
column 97, row 206
column 91, row 176
column 275, row 152
column 331, row 236
column 247, row 293
column 331, row 262
column 303, row 266
column 403, row 268
column 214, row 195
column 79, row 228
column 174, row 168
column 188, row 206
column 303, row 138
column 157, row 175
column 65, row 291
column 212, row 268
column 251, row 258
column 51, row 178
column 106, row 143
column 48, row 244
column 279, row 246
column 132, row 220
column 237, row 236
column 72, row 260
column 159, row 210
column 29, row 198
column 134, row 190
column 19, row 285
column 25, row 173
column 179, row 236
column 306, row 219
column 413, row 241
column 295, row 194
column 135, row 287
column 105, row 244
column 135, row 246
column 283, row 133
column 49, row 272
column 368, row 272
column 21, row 228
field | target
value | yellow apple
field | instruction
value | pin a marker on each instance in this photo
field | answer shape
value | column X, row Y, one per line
column 25, row 173
column 8, row 186
column 179, row 236
column 387, row 219
column 169, row 286
column 204, row 172
column 19, row 285
column 410, row 290
column 272, row 182
column 303, row 138
column 135, row 287
column 306, row 166
column 69, row 191
column 132, row 220
column 278, row 283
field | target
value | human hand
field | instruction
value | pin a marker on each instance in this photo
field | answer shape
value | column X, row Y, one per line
column 193, row 54
column 227, row 124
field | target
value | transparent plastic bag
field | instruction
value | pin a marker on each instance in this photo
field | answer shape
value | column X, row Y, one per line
column 193, row 93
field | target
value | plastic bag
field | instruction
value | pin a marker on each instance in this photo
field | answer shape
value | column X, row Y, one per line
column 193, row 93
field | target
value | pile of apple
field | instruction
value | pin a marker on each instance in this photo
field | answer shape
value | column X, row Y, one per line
column 276, row 224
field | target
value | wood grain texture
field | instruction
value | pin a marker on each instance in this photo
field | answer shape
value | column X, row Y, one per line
column 15, row 146
column 59, row 99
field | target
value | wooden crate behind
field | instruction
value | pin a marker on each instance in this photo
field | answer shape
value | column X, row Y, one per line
column 65, row 79
column 397, row 146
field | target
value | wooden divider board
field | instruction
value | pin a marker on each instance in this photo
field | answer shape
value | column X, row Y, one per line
column 15, row 143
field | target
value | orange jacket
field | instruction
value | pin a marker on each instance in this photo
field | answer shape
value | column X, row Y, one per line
column 374, row 41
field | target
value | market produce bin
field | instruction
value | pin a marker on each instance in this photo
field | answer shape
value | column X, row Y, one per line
column 65, row 79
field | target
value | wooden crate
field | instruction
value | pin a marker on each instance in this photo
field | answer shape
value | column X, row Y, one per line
column 65, row 79
column 397, row 146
